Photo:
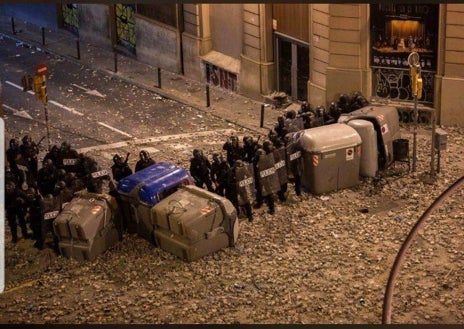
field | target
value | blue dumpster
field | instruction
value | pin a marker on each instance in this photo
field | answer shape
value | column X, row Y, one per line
column 142, row 190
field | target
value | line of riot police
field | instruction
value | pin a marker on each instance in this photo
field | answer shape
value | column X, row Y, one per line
column 38, row 195
column 254, row 173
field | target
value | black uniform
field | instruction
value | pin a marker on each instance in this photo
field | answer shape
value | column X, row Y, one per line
column 263, row 193
column 92, row 176
column 36, row 221
column 16, row 210
column 69, row 157
column 144, row 162
column 234, row 150
column 120, row 168
column 29, row 151
column 200, row 169
column 54, row 155
column 233, row 191
column 47, row 177
column 250, row 147
column 220, row 171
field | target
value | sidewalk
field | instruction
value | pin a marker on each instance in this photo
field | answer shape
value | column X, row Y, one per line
column 232, row 107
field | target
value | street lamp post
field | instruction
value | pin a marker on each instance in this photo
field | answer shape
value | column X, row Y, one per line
column 416, row 88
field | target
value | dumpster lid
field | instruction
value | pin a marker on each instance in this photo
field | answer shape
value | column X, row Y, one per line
column 154, row 180
column 329, row 138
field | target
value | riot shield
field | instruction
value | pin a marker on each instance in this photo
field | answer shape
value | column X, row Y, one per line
column 268, row 178
column 280, row 165
column 245, row 183
column 294, row 159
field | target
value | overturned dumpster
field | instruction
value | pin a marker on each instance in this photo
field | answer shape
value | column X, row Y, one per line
column 88, row 225
column 192, row 223
column 386, row 124
column 331, row 157
column 142, row 190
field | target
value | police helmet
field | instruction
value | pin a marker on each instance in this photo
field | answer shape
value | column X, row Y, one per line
column 144, row 155
column 260, row 152
column 61, row 173
column 268, row 146
column 47, row 163
column 27, row 139
column 60, row 185
column 65, row 146
column 196, row 153
column 14, row 144
column 343, row 99
column 117, row 158
column 290, row 114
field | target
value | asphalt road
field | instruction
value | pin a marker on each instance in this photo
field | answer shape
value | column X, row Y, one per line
column 98, row 114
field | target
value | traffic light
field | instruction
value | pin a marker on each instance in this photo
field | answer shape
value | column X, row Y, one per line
column 43, row 94
column 40, row 89
column 27, row 81
column 37, row 84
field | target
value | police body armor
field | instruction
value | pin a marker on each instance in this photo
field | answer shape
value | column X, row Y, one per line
column 294, row 159
column 267, row 175
column 280, row 165
column 245, row 183
column 51, row 207
column 294, row 125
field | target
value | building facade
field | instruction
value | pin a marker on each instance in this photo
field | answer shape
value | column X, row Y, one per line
column 311, row 52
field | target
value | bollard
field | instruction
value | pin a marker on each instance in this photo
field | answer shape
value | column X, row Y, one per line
column 13, row 25
column 78, row 49
column 207, row 96
column 43, row 36
column 115, row 62
column 159, row 77
column 261, row 123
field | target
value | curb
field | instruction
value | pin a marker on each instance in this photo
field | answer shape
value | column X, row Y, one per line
column 160, row 92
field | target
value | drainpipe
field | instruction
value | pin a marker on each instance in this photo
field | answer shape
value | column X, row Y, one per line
column 180, row 28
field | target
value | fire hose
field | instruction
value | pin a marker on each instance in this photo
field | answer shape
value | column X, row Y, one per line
column 386, row 316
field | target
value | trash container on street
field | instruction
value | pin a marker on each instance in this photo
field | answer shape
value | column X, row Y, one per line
column 145, row 188
column 331, row 157
column 87, row 226
column 369, row 163
column 387, row 126
column 193, row 222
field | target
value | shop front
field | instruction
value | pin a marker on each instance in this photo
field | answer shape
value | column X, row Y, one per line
column 397, row 30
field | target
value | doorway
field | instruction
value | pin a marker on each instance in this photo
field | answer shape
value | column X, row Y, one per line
column 292, row 67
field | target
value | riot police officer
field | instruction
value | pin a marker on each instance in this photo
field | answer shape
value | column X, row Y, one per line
column 280, row 128
column 277, row 150
column 344, row 102
column 36, row 220
column 47, row 177
column 294, row 162
column 334, row 111
column 69, row 157
column 55, row 156
column 16, row 210
column 51, row 207
column 220, row 171
column 266, row 180
column 240, row 187
column 120, row 168
column 29, row 151
column 249, row 148
column 234, row 150
column 145, row 161
column 200, row 169
column 92, row 176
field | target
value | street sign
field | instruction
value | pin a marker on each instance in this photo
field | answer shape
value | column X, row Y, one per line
column 42, row 69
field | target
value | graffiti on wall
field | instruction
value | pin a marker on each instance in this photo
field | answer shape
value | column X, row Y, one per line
column 219, row 77
column 70, row 19
column 395, row 84
column 125, row 25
